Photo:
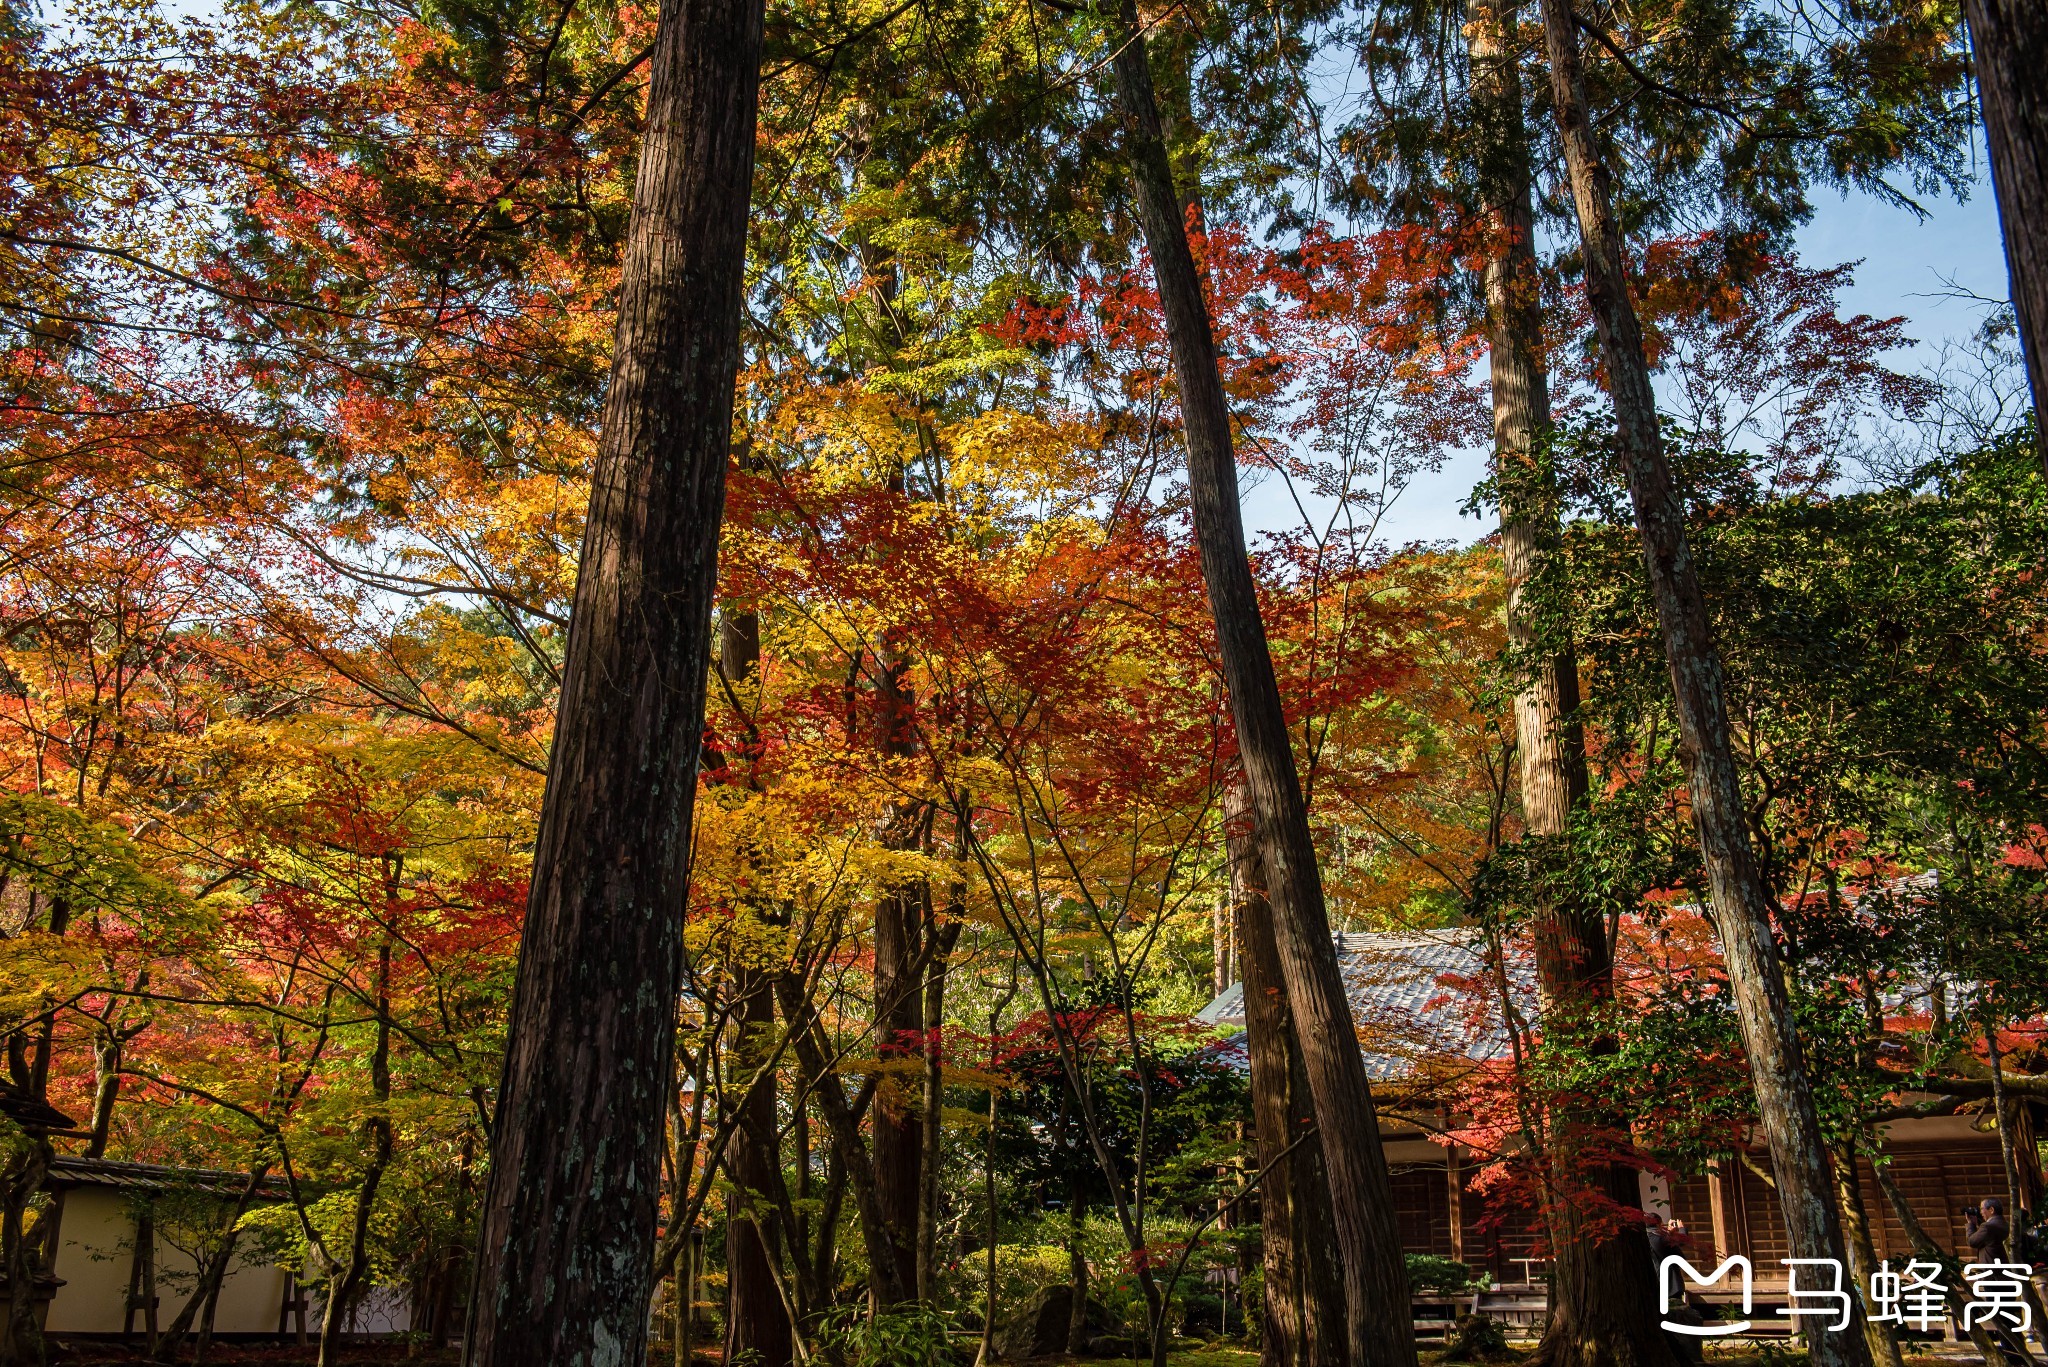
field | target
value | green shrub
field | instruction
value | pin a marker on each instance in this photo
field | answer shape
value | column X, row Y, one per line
column 906, row 1336
column 1429, row 1274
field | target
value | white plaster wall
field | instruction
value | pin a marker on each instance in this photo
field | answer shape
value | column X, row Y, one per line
column 93, row 1260
column 96, row 1246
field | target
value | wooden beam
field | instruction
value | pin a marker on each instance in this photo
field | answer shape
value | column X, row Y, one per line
column 1724, row 1202
column 1454, row 1183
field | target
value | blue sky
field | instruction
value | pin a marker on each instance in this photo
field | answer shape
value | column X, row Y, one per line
column 1908, row 266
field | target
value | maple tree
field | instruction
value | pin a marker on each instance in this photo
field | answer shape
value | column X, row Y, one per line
column 311, row 322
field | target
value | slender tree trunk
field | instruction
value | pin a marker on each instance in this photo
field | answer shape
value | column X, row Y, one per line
column 984, row 1352
column 164, row 1348
column 565, row 1254
column 1924, row 1245
column 26, row 1164
column 1884, row 1344
column 1304, row 1291
column 899, row 1030
column 106, row 1088
column 342, row 1290
column 886, row 1277
column 1077, row 1268
column 686, row 1330
column 756, row 1320
column 757, row 1327
column 1603, row 1288
column 2007, row 1152
column 344, row 1287
column 2005, row 1113
column 1742, row 905
column 2009, row 40
column 110, row 1046
column 931, row 1107
column 1224, row 933
column 899, row 1004
column 207, row 1315
column 1379, row 1329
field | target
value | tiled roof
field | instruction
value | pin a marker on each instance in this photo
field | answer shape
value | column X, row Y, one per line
column 1414, row 995
column 33, row 1115
column 152, row 1177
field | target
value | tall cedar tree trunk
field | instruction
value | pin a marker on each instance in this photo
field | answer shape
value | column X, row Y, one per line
column 1304, row 1291
column 900, row 920
column 1742, row 908
column 565, row 1253
column 756, row 1319
column 1604, row 1307
column 898, row 1132
column 932, row 1097
column 2008, row 39
column 899, row 929
column 1379, row 1328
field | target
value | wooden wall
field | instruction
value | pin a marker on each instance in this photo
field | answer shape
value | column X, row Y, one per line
column 1940, row 1169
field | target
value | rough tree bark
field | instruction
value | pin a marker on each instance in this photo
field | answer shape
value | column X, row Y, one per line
column 1741, row 903
column 901, row 915
column 2009, row 38
column 900, row 921
column 1884, row 1344
column 757, row 1322
column 932, row 1096
column 1604, row 1307
column 1304, row 1291
column 24, row 1164
column 565, row 1253
column 1379, row 1328
column 898, row 1131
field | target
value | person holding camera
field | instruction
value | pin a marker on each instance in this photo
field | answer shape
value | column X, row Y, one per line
column 1987, row 1229
column 1989, row 1233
